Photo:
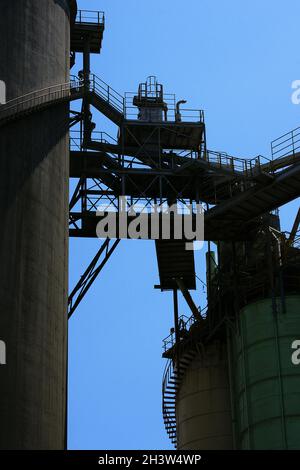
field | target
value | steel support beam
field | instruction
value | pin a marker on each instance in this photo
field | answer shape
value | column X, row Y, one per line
column 90, row 274
column 188, row 298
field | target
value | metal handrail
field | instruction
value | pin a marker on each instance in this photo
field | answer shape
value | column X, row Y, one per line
column 187, row 114
column 287, row 144
column 170, row 341
column 107, row 93
column 90, row 17
column 168, row 374
column 76, row 138
column 244, row 166
column 36, row 98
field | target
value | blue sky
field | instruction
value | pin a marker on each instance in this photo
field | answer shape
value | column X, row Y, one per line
column 236, row 60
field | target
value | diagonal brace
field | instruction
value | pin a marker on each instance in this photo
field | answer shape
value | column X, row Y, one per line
column 189, row 299
column 90, row 275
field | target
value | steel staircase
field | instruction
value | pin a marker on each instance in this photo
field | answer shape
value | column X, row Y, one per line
column 102, row 96
column 269, row 185
column 108, row 101
column 170, row 387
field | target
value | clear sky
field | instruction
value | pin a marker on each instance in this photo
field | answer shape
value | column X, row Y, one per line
column 236, row 60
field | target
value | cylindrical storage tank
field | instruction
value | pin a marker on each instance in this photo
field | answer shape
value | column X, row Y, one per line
column 267, row 383
column 34, row 154
column 203, row 410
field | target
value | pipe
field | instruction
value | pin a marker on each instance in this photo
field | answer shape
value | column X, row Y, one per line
column 178, row 113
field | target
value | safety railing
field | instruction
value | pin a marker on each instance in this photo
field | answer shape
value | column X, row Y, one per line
column 245, row 166
column 296, row 240
column 39, row 98
column 90, row 17
column 107, row 93
column 184, row 324
column 167, row 113
column 76, row 139
column 287, row 144
column 169, row 412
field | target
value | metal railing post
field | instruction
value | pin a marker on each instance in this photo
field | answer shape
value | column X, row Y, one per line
column 293, row 143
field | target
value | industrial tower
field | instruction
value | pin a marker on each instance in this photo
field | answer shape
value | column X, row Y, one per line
column 229, row 382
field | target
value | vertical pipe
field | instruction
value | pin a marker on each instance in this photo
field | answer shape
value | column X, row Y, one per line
column 208, row 284
column 86, row 75
column 275, row 313
column 231, row 388
column 176, row 325
column 245, row 375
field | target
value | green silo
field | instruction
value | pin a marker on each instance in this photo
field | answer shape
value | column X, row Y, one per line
column 266, row 388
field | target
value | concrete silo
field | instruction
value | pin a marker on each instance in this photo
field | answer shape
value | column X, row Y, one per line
column 266, row 382
column 34, row 154
column 231, row 382
column 203, row 402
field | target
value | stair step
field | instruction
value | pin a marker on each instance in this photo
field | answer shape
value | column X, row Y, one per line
column 189, row 355
column 179, row 375
column 186, row 361
column 175, row 377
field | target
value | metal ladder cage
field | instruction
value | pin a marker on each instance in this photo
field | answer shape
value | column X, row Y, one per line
column 151, row 90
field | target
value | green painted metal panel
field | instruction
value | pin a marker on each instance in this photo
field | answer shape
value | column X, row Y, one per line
column 266, row 383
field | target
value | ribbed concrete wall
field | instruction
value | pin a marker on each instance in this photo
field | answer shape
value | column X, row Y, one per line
column 203, row 408
column 34, row 54
column 267, row 383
